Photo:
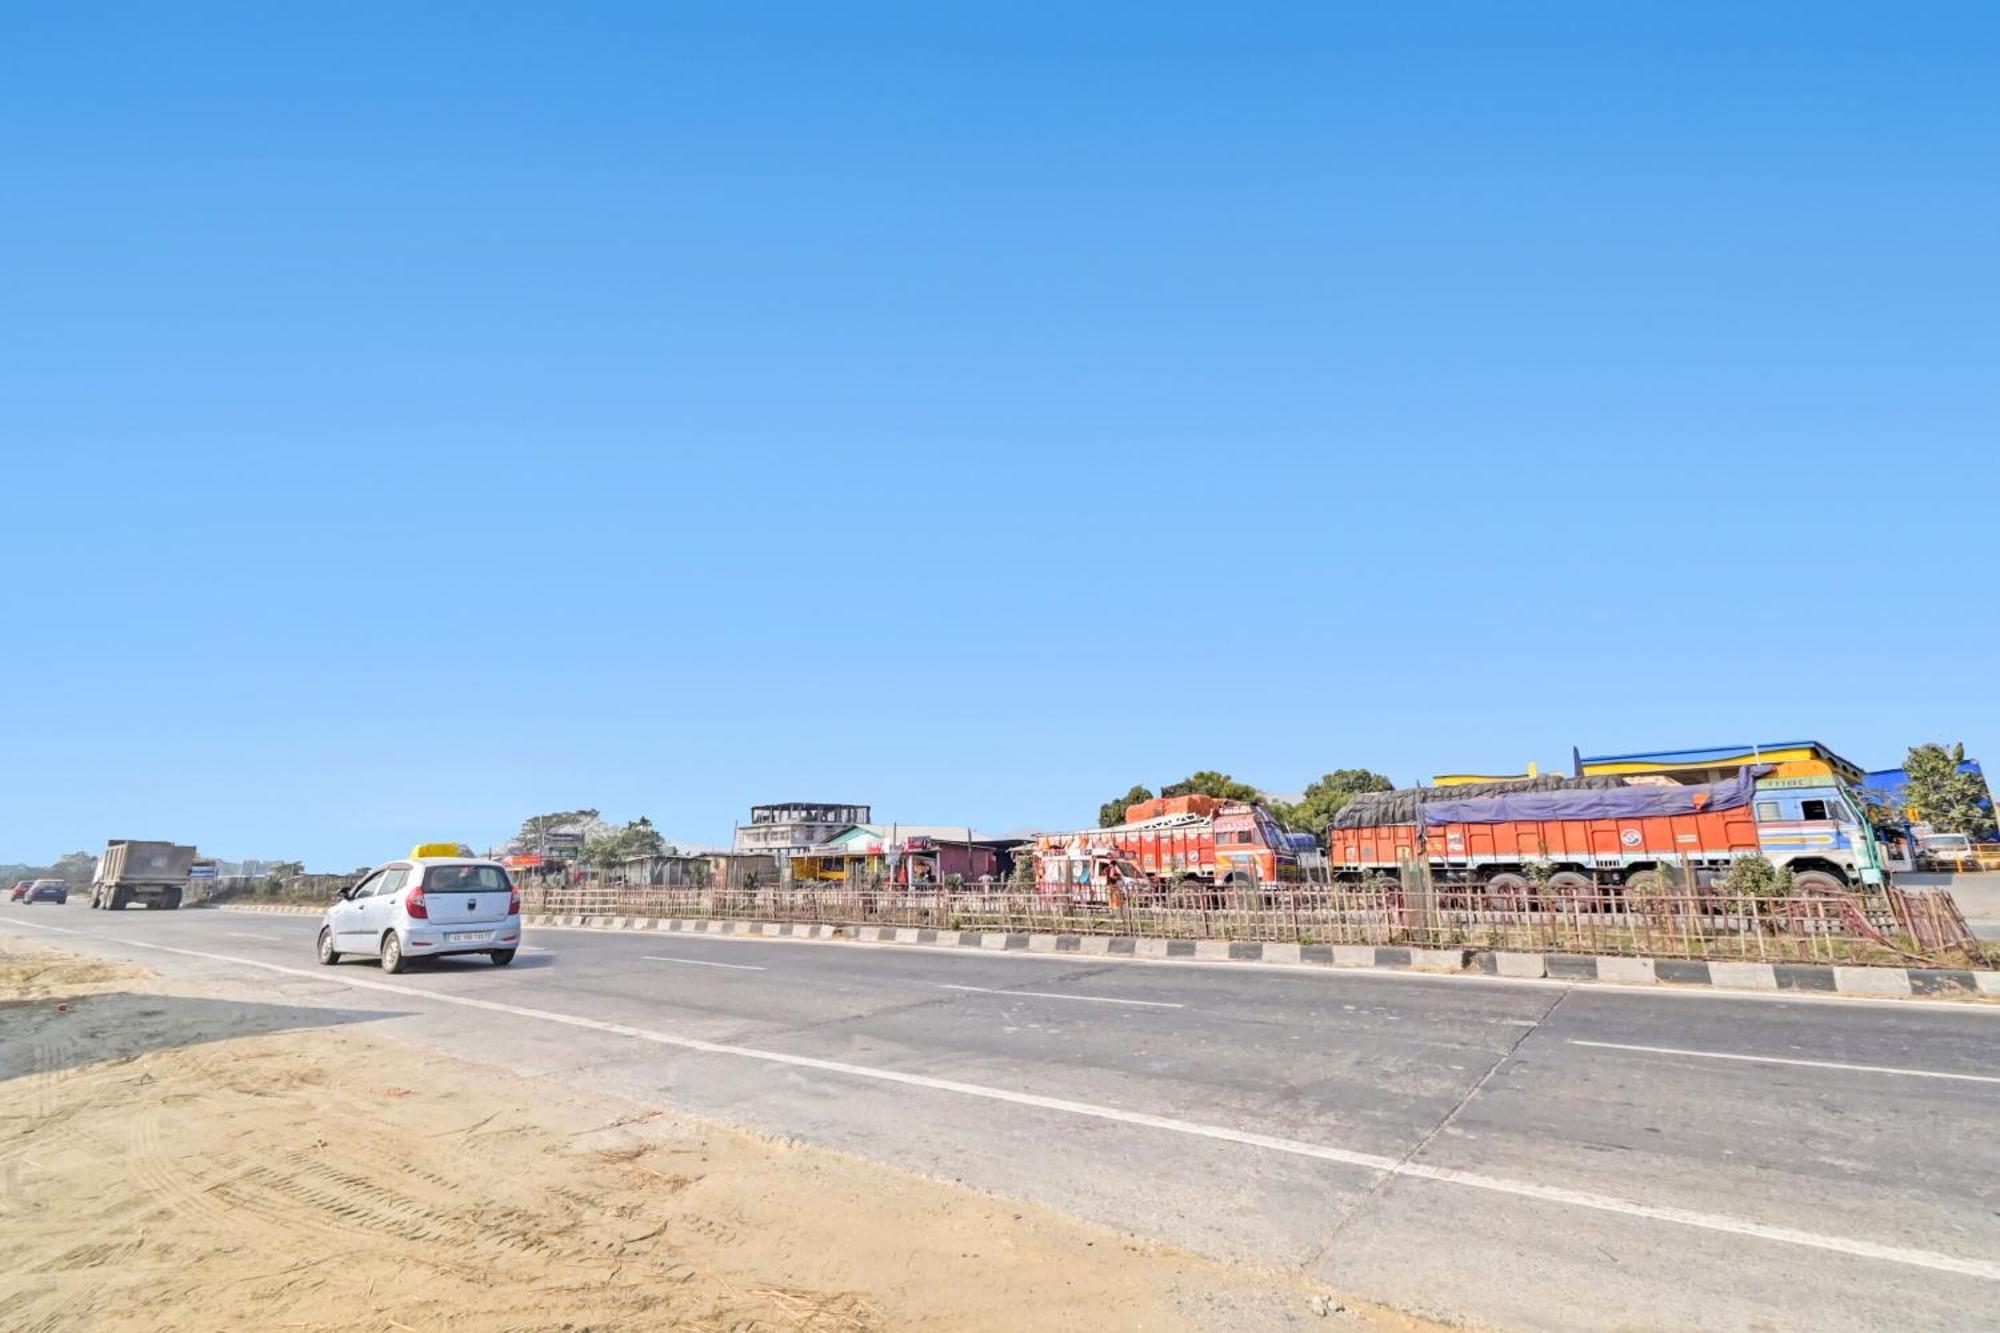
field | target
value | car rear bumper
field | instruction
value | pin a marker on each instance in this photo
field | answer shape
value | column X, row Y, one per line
column 490, row 935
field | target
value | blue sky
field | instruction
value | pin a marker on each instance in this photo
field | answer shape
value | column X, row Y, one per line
column 422, row 416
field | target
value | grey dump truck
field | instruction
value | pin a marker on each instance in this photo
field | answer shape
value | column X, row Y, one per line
column 153, row 873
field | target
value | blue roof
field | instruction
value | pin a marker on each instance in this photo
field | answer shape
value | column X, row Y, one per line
column 1713, row 752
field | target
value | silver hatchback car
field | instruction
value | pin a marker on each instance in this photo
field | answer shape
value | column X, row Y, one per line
column 423, row 907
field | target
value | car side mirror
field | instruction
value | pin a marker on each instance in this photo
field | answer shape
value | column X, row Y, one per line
column 345, row 894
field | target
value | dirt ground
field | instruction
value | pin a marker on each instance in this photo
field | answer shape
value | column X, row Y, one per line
column 170, row 1160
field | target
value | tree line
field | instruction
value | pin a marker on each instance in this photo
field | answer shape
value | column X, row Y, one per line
column 1312, row 813
column 604, row 843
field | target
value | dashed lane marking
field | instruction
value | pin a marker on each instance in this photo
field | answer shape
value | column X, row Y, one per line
column 1788, row 1060
column 1053, row 995
column 702, row 962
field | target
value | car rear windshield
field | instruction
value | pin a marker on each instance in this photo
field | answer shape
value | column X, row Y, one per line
column 464, row 879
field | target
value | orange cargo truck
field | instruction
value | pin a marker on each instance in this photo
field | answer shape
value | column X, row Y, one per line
column 1184, row 844
column 1592, row 837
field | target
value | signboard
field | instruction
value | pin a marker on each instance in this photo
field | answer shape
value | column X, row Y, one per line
column 202, row 870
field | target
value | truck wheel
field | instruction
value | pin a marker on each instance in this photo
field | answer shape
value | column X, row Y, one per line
column 117, row 900
column 1507, row 892
column 327, row 956
column 1572, row 888
column 392, row 953
column 1816, row 884
column 172, row 900
column 1648, row 891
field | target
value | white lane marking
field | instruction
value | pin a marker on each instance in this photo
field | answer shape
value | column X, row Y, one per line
column 534, row 948
column 242, row 936
column 701, row 962
column 1866, row 1249
column 1787, row 1060
column 1052, row 995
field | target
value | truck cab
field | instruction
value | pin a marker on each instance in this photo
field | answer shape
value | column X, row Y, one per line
column 1814, row 826
column 1250, row 848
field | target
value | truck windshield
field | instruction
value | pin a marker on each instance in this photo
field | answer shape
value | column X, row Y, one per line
column 464, row 879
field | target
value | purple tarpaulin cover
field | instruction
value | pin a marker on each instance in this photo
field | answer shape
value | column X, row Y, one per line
column 1607, row 803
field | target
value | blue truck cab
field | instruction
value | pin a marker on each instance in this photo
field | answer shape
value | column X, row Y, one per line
column 1815, row 826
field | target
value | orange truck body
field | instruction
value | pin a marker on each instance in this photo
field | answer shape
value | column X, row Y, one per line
column 1600, row 843
column 1208, row 840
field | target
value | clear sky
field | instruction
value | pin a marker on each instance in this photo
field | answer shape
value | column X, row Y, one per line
column 422, row 415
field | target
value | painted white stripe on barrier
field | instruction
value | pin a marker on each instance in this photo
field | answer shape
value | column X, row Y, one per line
column 1983, row 1269
column 702, row 962
column 1787, row 1060
column 1051, row 995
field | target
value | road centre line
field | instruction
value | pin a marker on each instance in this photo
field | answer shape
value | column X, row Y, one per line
column 1052, row 995
column 698, row 962
column 1985, row 1270
column 1787, row 1060
column 273, row 939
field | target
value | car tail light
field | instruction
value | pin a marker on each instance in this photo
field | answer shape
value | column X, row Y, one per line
column 513, row 902
column 414, row 904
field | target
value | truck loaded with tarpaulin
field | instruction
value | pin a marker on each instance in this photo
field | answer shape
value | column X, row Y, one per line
column 1591, row 837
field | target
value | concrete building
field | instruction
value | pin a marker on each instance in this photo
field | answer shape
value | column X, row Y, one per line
column 793, row 828
column 1720, row 763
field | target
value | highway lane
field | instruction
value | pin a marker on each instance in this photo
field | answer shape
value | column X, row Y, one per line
column 1537, row 1088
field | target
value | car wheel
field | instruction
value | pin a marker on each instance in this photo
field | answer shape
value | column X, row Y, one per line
column 501, row 957
column 392, row 953
column 326, row 950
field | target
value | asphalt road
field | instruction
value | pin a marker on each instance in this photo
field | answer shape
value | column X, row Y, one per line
column 1514, row 1154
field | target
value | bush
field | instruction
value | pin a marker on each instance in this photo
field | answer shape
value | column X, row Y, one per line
column 1755, row 877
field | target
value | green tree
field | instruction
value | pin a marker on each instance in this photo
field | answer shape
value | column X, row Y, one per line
column 1208, row 782
column 608, row 846
column 1323, row 799
column 1942, row 796
column 1113, row 812
column 535, row 828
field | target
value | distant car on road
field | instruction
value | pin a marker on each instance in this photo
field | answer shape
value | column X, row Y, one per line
column 1946, row 851
column 47, row 891
column 425, row 906
column 21, row 887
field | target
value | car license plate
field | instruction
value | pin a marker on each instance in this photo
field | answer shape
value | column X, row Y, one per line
column 467, row 936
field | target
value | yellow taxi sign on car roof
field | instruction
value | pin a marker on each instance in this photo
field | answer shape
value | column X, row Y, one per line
column 423, row 849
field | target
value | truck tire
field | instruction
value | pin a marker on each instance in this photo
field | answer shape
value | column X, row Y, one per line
column 1572, row 888
column 171, row 901
column 118, row 900
column 1507, row 892
column 1816, row 884
column 1650, row 892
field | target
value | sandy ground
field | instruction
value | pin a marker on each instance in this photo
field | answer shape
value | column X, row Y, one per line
column 170, row 1160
